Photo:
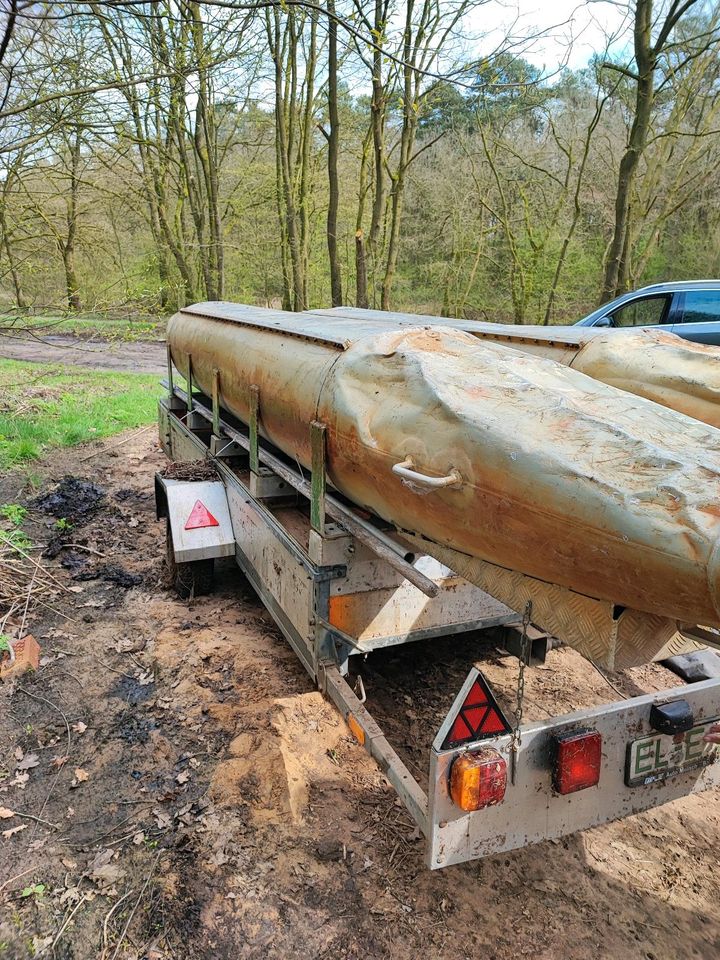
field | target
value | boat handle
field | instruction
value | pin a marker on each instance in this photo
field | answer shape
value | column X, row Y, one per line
column 405, row 470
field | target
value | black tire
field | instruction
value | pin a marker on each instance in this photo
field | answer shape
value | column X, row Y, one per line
column 192, row 579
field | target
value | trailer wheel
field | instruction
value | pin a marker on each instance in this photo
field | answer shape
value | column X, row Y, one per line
column 191, row 579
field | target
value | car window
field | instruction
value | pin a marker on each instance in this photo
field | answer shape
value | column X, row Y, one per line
column 700, row 306
column 641, row 313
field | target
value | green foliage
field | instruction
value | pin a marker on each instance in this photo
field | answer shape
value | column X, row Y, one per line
column 63, row 525
column 36, row 890
column 14, row 513
column 71, row 407
column 16, row 539
column 127, row 329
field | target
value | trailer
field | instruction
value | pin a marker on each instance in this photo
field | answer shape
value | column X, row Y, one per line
column 340, row 583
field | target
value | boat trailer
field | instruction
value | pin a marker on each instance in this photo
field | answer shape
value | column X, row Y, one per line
column 340, row 583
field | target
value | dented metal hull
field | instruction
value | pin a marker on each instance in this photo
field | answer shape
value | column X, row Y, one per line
column 650, row 362
column 557, row 476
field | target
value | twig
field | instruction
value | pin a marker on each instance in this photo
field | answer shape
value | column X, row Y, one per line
column 102, row 836
column 107, row 666
column 30, row 816
column 112, row 446
column 135, row 906
column 16, row 877
column 35, row 696
column 108, row 916
column 79, row 546
column 60, row 932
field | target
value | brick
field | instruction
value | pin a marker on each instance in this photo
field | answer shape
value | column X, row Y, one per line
column 27, row 657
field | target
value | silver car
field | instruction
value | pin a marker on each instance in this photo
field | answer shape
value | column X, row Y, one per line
column 690, row 309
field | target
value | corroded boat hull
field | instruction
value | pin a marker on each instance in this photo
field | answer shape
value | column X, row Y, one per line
column 559, row 477
column 649, row 362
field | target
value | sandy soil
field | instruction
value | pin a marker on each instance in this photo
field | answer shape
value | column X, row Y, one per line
column 197, row 798
column 120, row 356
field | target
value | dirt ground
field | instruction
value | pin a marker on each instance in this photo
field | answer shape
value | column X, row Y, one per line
column 121, row 356
column 186, row 793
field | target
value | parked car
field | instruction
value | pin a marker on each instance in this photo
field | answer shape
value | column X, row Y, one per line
column 690, row 309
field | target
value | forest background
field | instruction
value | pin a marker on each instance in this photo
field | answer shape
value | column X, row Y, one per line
column 371, row 152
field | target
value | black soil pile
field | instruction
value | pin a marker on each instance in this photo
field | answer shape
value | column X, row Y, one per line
column 73, row 499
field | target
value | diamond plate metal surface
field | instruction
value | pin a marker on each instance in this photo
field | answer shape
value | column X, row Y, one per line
column 592, row 627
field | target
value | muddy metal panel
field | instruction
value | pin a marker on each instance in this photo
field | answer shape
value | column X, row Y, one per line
column 286, row 580
column 532, row 812
column 199, row 542
column 611, row 636
column 379, row 617
column 551, row 474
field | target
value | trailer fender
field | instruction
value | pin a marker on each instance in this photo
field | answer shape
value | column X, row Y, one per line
column 199, row 517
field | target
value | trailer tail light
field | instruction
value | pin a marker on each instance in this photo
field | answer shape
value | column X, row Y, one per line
column 577, row 761
column 478, row 779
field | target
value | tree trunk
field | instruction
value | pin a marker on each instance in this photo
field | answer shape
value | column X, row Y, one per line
column 616, row 267
column 72, row 285
column 20, row 300
column 361, row 277
column 333, row 143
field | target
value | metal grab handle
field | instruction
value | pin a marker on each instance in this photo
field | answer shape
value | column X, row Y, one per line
column 405, row 471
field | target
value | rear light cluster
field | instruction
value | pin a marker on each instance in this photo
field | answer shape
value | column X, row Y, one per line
column 478, row 778
column 577, row 761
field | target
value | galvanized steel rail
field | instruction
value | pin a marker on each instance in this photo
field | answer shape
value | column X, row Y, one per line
column 358, row 528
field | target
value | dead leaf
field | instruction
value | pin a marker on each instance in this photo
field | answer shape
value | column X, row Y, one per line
column 41, row 943
column 19, row 753
column 138, row 838
column 75, row 589
column 20, row 780
column 58, row 762
column 80, row 777
column 79, row 727
column 183, row 776
column 108, row 875
column 29, row 761
column 5, row 814
column 103, row 871
column 12, row 830
column 161, row 818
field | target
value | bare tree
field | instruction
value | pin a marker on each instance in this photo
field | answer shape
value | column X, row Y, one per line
column 652, row 40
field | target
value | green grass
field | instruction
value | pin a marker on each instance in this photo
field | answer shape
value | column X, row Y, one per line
column 89, row 326
column 46, row 405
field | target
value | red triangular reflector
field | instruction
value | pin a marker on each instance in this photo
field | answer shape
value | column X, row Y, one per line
column 474, row 716
column 492, row 724
column 460, row 730
column 476, row 698
column 199, row 517
column 477, row 718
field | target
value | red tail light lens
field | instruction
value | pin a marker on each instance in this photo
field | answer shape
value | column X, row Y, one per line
column 577, row 761
column 478, row 779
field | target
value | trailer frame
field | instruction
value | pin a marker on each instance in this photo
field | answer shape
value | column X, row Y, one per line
column 332, row 558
